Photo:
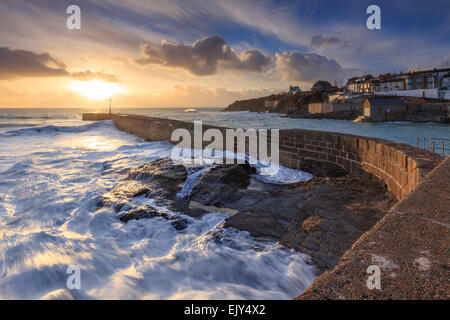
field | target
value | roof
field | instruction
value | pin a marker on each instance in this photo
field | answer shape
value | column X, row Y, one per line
column 385, row 102
column 323, row 84
column 430, row 71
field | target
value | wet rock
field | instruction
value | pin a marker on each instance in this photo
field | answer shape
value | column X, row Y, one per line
column 147, row 212
column 159, row 180
column 179, row 224
column 321, row 217
column 311, row 223
column 162, row 168
column 221, row 185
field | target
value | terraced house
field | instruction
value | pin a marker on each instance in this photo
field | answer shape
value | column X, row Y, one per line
column 413, row 80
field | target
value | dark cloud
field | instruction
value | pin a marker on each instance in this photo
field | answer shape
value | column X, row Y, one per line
column 204, row 57
column 295, row 66
column 319, row 41
column 22, row 63
column 27, row 64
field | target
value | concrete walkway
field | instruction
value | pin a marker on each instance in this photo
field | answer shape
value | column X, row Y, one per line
column 410, row 245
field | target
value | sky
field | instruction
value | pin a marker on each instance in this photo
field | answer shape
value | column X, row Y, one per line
column 205, row 53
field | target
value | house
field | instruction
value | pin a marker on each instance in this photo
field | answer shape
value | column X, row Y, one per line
column 294, row 90
column 392, row 85
column 414, row 80
column 322, row 86
column 369, row 84
column 384, row 109
column 427, row 79
column 445, row 82
column 359, row 84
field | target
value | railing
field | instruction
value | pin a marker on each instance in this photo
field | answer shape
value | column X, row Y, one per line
column 437, row 145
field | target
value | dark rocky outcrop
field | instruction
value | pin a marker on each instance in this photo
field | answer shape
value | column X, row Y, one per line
column 285, row 103
column 321, row 217
column 146, row 212
column 160, row 179
column 428, row 112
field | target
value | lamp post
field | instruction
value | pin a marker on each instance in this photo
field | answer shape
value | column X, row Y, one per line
column 110, row 100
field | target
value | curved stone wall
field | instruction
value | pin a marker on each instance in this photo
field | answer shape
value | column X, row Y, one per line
column 399, row 165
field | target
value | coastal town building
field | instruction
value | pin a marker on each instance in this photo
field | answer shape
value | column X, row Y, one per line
column 428, row 79
column 294, row 90
column 376, row 109
column 322, row 86
column 330, row 107
column 358, row 84
column 445, row 85
column 414, row 80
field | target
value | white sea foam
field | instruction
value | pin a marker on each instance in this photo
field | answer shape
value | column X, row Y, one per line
column 51, row 178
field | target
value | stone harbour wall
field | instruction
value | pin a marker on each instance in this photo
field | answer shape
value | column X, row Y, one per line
column 399, row 165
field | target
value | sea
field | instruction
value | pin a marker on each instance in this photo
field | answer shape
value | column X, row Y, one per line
column 54, row 169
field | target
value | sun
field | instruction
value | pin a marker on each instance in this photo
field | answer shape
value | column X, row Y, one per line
column 96, row 89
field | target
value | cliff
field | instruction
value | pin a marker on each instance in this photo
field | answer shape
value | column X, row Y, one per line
column 279, row 103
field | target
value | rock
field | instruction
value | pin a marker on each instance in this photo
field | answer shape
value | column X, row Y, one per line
column 160, row 180
column 140, row 213
column 179, row 224
column 279, row 103
column 311, row 223
column 321, row 217
column 222, row 184
column 162, row 168
column 147, row 212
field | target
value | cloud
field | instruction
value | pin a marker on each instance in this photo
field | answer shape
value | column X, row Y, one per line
column 22, row 63
column 90, row 75
column 319, row 41
column 204, row 57
column 295, row 66
column 26, row 64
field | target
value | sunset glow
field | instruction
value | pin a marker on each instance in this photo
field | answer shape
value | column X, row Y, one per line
column 236, row 52
column 96, row 89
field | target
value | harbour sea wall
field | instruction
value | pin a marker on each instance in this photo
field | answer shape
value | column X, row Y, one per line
column 399, row 165
column 409, row 245
column 404, row 169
